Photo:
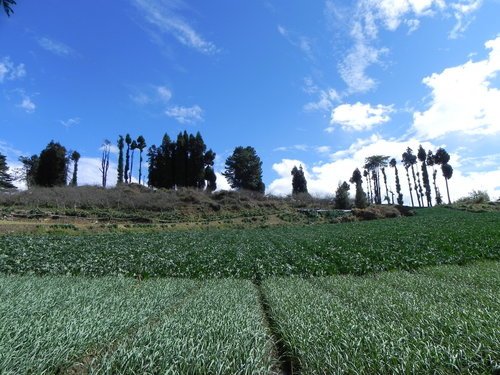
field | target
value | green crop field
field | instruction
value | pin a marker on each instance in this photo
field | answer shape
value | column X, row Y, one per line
column 442, row 320
column 307, row 300
column 434, row 237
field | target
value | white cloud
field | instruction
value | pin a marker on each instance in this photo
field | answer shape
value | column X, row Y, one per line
column 55, row 47
column 28, row 105
column 221, row 182
column 369, row 16
column 463, row 99
column 300, row 41
column 70, row 122
column 322, row 179
column 10, row 71
column 164, row 93
column 89, row 173
column 186, row 115
column 140, row 98
column 164, row 16
column 325, row 102
column 359, row 116
column 462, row 11
column 292, row 148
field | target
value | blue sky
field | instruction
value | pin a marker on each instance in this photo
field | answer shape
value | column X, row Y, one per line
column 318, row 83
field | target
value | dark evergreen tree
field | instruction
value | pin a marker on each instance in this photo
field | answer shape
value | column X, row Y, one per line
column 7, row 6
column 299, row 182
column 133, row 147
column 121, row 145
column 441, row 157
column 360, row 198
column 422, row 156
column 196, row 161
column 393, row 163
column 161, row 164
column 447, row 174
column 244, row 170
column 181, row 159
column 141, row 145
column 52, row 167
column 342, row 196
column 431, row 160
column 128, row 141
column 210, row 176
column 75, row 157
column 408, row 161
column 5, row 177
column 29, row 169
column 420, row 189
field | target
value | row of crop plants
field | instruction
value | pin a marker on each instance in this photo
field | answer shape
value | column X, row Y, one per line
column 438, row 320
column 441, row 236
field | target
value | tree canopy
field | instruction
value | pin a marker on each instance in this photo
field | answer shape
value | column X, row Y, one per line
column 52, row 167
column 5, row 177
column 244, row 170
column 299, row 182
column 7, row 6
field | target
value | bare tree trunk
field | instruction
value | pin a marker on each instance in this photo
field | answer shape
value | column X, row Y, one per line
column 447, row 190
column 409, row 185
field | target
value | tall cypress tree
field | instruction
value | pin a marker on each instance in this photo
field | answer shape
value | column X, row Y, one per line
column 128, row 141
column 121, row 145
column 342, row 196
column 385, row 183
column 366, row 174
column 299, row 182
column 392, row 163
column 75, row 157
column 360, row 198
column 431, row 160
column 141, row 145
column 408, row 161
column 422, row 156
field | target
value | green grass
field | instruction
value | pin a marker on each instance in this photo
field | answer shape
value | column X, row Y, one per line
column 442, row 320
column 436, row 236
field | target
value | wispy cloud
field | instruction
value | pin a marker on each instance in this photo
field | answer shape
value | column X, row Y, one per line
column 56, row 47
column 70, row 122
column 186, row 115
column 164, row 16
column 302, row 42
column 326, row 98
column 10, row 71
column 367, row 17
column 164, row 93
column 27, row 104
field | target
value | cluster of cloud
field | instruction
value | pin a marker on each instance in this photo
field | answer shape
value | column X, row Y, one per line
column 165, row 18
column 366, row 19
column 359, row 116
column 162, row 95
column 323, row 178
column 10, row 71
column 463, row 99
column 303, row 43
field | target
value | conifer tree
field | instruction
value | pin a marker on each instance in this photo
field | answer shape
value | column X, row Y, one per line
column 366, row 174
column 141, row 145
column 393, row 163
column 128, row 141
column 360, row 197
column 7, row 6
column 447, row 173
column 52, row 167
column 75, row 157
column 431, row 160
column 385, row 183
column 5, row 177
column 299, row 182
column 121, row 145
column 244, row 170
column 408, row 161
column 29, row 169
column 133, row 147
column 422, row 156
column 342, row 196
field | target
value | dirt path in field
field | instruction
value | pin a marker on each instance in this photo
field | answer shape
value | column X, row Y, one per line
column 287, row 364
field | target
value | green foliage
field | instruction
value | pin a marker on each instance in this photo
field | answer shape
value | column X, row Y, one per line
column 422, row 156
column 450, row 236
column 409, row 160
column 185, row 163
column 29, row 169
column 342, row 201
column 393, row 164
column 475, row 197
column 52, row 169
column 373, row 164
column 141, row 145
column 299, row 183
column 441, row 320
column 121, row 145
column 360, row 198
column 128, row 141
column 244, row 170
column 75, row 157
column 447, row 174
column 5, row 177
